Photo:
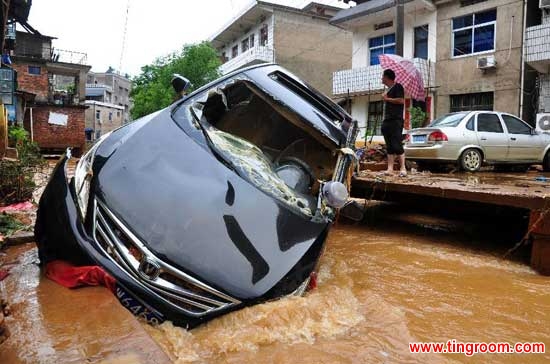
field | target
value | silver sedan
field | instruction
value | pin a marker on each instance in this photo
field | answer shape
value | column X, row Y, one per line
column 474, row 138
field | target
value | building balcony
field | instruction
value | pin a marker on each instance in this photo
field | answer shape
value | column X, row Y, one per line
column 50, row 54
column 252, row 56
column 368, row 80
column 537, row 47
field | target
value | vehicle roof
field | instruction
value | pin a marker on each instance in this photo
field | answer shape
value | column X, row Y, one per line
column 327, row 124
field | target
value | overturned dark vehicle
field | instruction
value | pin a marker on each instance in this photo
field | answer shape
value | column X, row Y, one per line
column 222, row 200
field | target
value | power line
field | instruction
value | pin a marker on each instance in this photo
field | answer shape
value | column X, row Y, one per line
column 123, row 47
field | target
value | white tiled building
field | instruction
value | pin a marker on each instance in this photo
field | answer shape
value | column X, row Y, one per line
column 373, row 26
column 537, row 55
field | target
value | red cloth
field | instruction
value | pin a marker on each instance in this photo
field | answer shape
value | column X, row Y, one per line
column 21, row 206
column 70, row 276
column 3, row 274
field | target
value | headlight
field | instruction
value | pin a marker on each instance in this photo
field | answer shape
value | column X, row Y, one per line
column 83, row 175
column 335, row 194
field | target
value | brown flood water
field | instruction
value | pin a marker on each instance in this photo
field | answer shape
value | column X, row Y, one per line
column 379, row 289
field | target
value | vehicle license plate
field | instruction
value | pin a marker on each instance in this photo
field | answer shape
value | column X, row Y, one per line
column 137, row 307
column 419, row 138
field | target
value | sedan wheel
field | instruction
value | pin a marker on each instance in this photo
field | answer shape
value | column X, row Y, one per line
column 471, row 160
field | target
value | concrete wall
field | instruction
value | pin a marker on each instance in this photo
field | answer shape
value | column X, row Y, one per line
column 311, row 48
column 253, row 30
column 460, row 75
column 103, row 124
column 414, row 17
column 57, row 137
column 120, row 86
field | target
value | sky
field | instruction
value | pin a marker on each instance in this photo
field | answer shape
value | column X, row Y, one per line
column 154, row 28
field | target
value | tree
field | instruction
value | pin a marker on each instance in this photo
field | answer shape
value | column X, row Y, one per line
column 151, row 90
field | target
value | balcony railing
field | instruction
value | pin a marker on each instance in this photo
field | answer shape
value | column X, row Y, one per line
column 366, row 80
column 99, row 85
column 537, row 46
column 51, row 54
column 254, row 55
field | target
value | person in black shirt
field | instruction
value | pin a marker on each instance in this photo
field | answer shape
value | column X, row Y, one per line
column 392, row 125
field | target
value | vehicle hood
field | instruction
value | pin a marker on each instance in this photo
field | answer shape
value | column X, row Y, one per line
column 193, row 211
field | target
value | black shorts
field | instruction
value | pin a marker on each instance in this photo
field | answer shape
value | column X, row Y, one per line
column 392, row 130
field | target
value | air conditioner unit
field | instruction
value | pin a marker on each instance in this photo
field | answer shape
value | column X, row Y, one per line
column 543, row 123
column 486, row 62
column 544, row 4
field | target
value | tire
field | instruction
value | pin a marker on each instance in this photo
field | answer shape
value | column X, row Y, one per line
column 471, row 160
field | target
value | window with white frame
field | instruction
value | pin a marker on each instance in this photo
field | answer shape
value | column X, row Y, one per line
column 252, row 40
column 384, row 44
column 474, row 33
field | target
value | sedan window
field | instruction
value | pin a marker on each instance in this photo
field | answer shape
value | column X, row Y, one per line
column 470, row 124
column 449, row 119
column 489, row 123
column 515, row 125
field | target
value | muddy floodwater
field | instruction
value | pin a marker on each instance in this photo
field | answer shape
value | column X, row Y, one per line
column 381, row 287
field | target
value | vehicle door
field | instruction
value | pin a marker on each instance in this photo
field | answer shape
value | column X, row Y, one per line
column 524, row 145
column 492, row 137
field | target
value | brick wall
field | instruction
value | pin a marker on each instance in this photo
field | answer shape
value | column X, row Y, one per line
column 36, row 84
column 298, row 48
column 57, row 137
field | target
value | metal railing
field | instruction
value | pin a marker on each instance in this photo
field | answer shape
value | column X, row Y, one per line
column 368, row 79
column 254, row 54
column 51, row 54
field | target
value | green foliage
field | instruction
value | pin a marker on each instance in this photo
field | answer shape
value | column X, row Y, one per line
column 418, row 117
column 27, row 151
column 17, row 177
column 151, row 90
column 16, row 135
column 71, row 89
column 9, row 225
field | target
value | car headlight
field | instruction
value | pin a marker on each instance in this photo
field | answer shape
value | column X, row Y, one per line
column 83, row 175
column 335, row 194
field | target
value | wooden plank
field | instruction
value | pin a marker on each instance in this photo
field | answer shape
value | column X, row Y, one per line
column 365, row 188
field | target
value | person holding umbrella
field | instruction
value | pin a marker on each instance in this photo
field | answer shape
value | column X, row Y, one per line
column 392, row 125
column 401, row 76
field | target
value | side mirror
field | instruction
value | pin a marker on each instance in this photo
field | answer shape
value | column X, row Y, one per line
column 180, row 83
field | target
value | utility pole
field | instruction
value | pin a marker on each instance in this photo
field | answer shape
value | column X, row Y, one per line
column 399, row 26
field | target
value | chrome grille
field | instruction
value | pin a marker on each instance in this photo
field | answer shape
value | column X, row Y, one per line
column 175, row 287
